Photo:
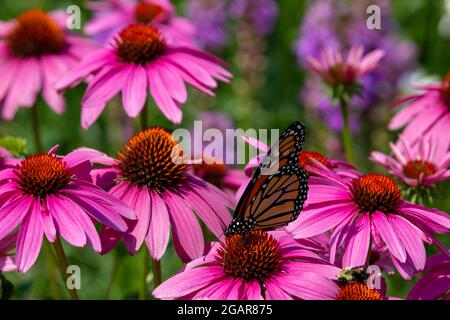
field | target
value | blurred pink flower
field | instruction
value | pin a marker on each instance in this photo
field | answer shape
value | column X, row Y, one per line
column 260, row 266
column 111, row 16
column 139, row 60
column 424, row 163
column 151, row 176
column 366, row 210
column 427, row 114
column 334, row 70
column 435, row 283
column 35, row 52
column 6, row 159
column 7, row 245
column 47, row 194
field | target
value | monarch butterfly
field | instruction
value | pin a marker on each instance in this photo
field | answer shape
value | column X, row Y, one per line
column 274, row 198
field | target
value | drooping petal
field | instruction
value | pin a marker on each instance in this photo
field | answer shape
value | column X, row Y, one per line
column 159, row 230
column 188, row 282
column 134, row 93
column 29, row 241
column 357, row 246
column 387, row 233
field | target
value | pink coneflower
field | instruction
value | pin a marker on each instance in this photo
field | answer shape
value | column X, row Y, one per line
column 47, row 194
column 427, row 114
column 224, row 177
column 423, row 164
column 435, row 283
column 35, row 51
column 335, row 71
column 256, row 266
column 369, row 209
column 141, row 60
column 111, row 16
column 151, row 176
column 7, row 245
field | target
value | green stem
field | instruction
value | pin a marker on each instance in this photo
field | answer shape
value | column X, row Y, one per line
column 346, row 133
column 114, row 271
column 143, row 295
column 144, row 117
column 50, row 257
column 63, row 265
column 157, row 275
column 36, row 129
column 51, row 260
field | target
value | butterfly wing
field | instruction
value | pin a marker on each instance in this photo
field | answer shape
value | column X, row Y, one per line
column 278, row 189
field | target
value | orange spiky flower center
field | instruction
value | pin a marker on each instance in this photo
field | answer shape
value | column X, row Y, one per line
column 445, row 89
column 254, row 256
column 375, row 192
column 306, row 156
column 140, row 44
column 358, row 291
column 153, row 158
column 147, row 12
column 35, row 34
column 42, row 175
column 414, row 169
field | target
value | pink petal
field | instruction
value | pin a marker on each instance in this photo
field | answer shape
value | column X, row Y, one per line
column 67, row 225
column 29, row 241
column 135, row 237
column 387, row 233
column 105, row 85
column 134, row 93
column 185, row 226
column 86, row 223
column 315, row 222
column 13, row 214
column 173, row 82
column 410, row 237
column 86, row 66
column 188, row 282
column 80, row 155
column 48, row 225
column 159, row 229
column 357, row 246
column 165, row 103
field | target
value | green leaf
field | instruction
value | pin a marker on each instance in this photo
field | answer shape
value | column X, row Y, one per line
column 17, row 146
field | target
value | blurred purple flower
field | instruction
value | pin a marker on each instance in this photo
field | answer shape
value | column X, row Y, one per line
column 340, row 27
column 211, row 18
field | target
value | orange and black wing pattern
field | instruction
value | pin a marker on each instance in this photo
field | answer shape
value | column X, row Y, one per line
column 278, row 189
